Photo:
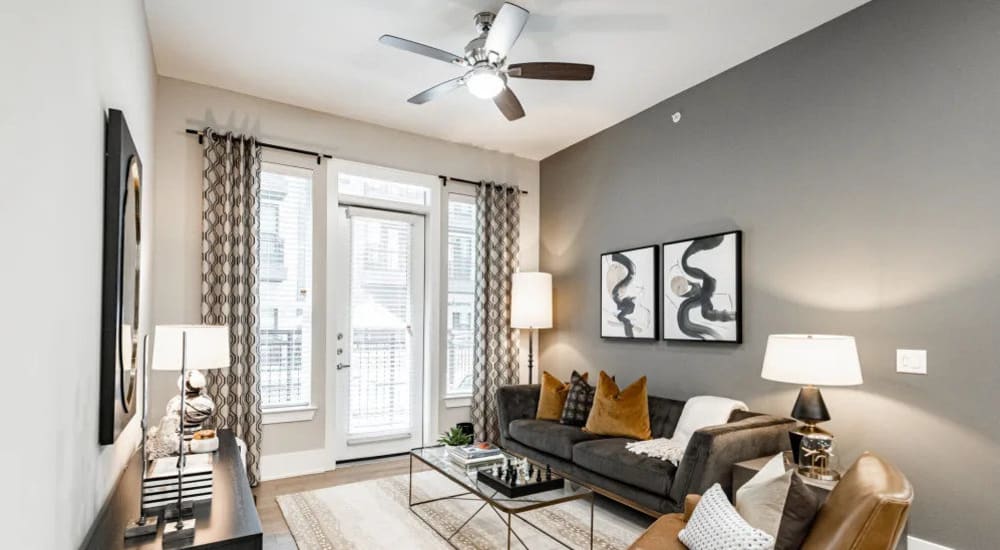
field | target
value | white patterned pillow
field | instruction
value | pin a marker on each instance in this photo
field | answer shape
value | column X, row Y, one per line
column 715, row 525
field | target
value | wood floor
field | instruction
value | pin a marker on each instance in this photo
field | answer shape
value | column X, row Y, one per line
column 268, row 491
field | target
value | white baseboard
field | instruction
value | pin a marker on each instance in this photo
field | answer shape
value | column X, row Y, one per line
column 280, row 466
column 913, row 543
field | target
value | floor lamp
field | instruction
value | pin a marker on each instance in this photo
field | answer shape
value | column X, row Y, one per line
column 531, row 307
column 186, row 348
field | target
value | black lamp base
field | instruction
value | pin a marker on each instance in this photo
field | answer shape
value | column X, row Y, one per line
column 796, row 434
column 811, row 409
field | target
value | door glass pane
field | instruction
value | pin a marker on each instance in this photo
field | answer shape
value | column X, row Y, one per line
column 381, row 358
column 372, row 188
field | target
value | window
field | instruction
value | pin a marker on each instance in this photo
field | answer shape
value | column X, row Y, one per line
column 461, row 293
column 285, row 278
column 372, row 188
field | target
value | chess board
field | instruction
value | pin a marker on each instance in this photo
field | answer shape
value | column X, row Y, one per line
column 519, row 487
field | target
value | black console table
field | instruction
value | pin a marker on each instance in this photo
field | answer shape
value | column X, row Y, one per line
column 229, row 521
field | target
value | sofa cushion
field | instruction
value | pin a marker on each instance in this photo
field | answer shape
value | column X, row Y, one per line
column 552, row 397
column 579, row 400
column 548, row 436
column 609, row 457
column 619, row 412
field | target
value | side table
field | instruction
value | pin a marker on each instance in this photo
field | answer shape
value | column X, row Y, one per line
column 743, row 471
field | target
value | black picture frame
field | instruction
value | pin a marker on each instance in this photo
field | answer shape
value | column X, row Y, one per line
column 653, row 304
column 672, row 313
column 120, row 279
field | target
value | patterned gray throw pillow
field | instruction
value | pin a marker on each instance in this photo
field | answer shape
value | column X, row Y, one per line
column 579, row 401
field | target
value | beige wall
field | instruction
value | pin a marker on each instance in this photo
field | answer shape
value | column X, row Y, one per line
column 178, row 240
column 64, row 65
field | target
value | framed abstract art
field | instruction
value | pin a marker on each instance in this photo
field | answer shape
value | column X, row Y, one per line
column 120, row 283
column 630, row 294
column 702, row 289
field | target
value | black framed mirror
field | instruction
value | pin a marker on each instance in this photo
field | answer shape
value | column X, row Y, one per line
column 120, row 284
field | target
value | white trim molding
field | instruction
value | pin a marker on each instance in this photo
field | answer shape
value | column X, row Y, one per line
column 301, row 463
column 458, row 401
column 288, row 414
column 913, row 543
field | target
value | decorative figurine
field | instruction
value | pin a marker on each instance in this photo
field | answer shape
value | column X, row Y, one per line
column 198, row 407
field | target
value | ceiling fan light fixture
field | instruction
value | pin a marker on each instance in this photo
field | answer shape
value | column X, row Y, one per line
column 484, row 83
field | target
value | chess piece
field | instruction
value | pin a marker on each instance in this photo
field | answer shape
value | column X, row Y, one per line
column 531, row 469
column 548, row 472
column 538, row 475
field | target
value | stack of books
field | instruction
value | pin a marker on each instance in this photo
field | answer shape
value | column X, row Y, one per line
column 470, row 456
column 159, row 488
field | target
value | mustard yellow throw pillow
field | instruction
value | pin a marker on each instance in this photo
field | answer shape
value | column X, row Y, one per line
column 619, row 413
column 553, row 397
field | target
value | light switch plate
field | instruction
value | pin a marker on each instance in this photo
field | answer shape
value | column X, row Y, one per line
column 911, row 361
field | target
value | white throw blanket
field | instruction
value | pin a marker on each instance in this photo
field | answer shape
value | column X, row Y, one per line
column 699, row 412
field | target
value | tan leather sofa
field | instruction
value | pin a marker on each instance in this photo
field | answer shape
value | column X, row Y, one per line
column 865, row 511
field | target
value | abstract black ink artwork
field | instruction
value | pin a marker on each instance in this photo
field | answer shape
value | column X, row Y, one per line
column 629, row 294
column 702, row 288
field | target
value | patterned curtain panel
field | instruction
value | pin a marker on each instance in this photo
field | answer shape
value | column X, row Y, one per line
column 497, row 230
column 229, row 248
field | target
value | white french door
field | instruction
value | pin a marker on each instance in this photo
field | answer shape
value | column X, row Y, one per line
column 379, row 319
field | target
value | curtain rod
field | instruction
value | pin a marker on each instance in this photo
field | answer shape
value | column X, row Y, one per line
column 446, row 179
column 319, row 156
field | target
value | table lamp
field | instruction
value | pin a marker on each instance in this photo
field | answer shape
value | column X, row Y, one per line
column 186, row 348
column 143, row 525
column 811, row 360
column 531, row 306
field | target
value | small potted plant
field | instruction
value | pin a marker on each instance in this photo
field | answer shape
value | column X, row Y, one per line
column 454, row 437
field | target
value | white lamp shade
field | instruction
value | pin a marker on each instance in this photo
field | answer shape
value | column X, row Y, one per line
column 207, row 347
column 812, row 359
column 531, row 300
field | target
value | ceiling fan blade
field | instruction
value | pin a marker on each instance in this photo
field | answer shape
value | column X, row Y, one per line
column 509, row 105
column 551, row 71
column 507, row 26
column 436, row 91
column 421, row 49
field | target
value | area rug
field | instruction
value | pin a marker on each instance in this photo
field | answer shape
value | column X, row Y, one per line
column 374, row 514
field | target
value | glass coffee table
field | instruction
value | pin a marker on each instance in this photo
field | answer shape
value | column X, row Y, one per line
column 506, row 508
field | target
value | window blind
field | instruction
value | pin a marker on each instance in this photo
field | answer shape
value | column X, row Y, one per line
column 461, row 293
column 285, row 285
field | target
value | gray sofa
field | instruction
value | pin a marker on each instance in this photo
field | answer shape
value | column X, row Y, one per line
column 650, row 485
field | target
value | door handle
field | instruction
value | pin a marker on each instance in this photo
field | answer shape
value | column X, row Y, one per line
column 342, row 366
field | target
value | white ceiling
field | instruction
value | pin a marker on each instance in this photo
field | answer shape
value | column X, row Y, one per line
column 325, row 55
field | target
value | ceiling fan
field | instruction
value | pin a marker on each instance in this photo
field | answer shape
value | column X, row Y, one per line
column 486, row 60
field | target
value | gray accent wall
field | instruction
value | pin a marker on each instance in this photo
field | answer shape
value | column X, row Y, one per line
column 862, row 162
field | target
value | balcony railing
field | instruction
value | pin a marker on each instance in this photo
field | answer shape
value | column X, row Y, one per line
column 281, row 367
column 460, row 361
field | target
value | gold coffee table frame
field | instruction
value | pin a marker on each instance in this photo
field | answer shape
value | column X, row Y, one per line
column 505, row 508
